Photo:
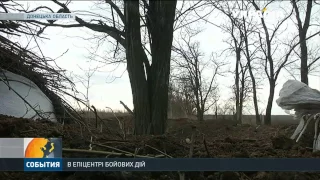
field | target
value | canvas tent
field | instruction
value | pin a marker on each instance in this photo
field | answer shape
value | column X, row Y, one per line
column 30, row 87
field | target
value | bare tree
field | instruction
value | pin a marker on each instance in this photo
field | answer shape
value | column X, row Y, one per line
column 181, row 97
column 86, row 81
column 268, row 49
column 303, row 29
column 247, row 31
column 143, row 30
column 273, row 65
column 149, row 80
column 192, row 68
column 226, row 108
column 236, row 44
column 239, row 31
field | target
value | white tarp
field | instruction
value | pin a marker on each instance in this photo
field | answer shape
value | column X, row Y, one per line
column 297, row 95
column 305, row 101
column 13, row 105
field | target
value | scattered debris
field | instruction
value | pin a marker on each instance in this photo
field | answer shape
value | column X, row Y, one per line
column 241, row 141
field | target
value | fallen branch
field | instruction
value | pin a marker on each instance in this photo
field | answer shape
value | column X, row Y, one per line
column 117, row 141
column 27, row 131
column 96, row 115
column 126, row 107
column 165, row 154
column 120, row 124
column 205, row 145
column 113, row 148
column 106, row 153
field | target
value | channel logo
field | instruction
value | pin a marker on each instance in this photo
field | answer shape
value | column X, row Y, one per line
column 42, row 147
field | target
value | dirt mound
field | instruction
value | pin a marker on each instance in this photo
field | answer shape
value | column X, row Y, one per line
column 211, row 140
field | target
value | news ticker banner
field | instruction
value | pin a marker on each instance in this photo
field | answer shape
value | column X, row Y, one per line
column 45, row 154
column 36, row 16
column 157, row 164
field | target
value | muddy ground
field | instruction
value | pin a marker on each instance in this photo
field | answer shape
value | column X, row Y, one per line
column 213, row 139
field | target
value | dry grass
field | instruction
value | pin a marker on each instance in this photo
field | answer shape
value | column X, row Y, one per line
column 103, row 114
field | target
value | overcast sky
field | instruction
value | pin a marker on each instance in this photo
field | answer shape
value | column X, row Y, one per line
column 104, row 93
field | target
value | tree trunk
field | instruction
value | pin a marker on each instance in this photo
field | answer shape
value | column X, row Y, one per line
column 267, row 120
column 150, row 94
column 200, row 115
column 135, row 58
column 304, row 58
column 254, row 92
column 216, row 113
column 237, row 86
column 253, row 80
column 241, row 97
column 162, row 14
column 303, row 29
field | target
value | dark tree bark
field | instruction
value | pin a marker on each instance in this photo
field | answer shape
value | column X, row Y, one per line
column 150, row 94
column 135, row 59
column 242, row 89
column 303, row 29
column 162, row 14
column 238, row 113
column 254, row 92
column 272, row 85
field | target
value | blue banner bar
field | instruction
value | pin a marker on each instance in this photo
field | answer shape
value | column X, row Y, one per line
column 157, row 164
column 42, row 164
column 193, row 164
column 11, row 164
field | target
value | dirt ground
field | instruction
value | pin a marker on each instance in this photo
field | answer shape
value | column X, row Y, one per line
column 212, row 139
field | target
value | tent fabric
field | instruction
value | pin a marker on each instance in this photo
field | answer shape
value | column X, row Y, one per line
column 48, row 82
column 20, row 97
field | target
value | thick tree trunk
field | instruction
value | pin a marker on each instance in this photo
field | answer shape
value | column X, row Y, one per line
column 200, row 115
column 150, row 94
column 162, row 14
column 267, row 120
column 135, row 58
